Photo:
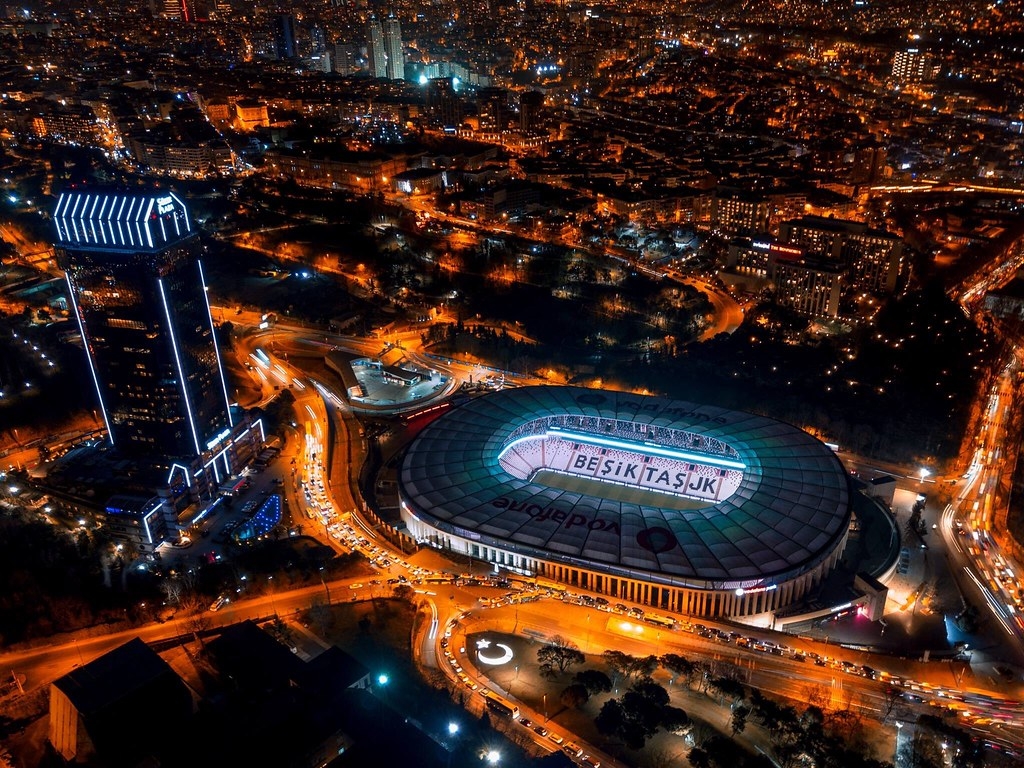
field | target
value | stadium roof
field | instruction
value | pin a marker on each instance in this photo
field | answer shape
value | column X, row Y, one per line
column 788, row 513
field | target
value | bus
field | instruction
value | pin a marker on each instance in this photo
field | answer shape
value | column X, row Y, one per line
column 661, row 621
column 501, row 708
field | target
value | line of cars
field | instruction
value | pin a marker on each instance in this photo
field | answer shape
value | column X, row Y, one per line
column 494, row 703
column 913, row 691
column 574, row 751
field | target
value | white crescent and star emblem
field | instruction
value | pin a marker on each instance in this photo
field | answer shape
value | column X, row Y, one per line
column 494, row 661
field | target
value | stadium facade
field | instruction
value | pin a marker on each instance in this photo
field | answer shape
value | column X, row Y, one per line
column 684, row 507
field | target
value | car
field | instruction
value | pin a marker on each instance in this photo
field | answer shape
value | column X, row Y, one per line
column 555, row 738
column 356, row 585
column 524, row 721
column 588, row 760
column 572, row 750
column 218, row 603
column 540, row 730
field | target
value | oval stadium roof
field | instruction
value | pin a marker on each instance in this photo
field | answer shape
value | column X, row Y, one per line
column 789, row 511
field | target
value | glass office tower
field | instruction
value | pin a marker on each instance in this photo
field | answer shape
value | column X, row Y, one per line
column 138, row 292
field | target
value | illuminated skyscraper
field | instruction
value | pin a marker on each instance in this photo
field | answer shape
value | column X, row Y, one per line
column 443, row 104
column 393, row 47
column 183, row 10
column 284, row 36
column 913, row 66
column 376, row 53
column 138, row 293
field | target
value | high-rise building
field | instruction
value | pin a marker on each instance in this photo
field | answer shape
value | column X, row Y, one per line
column 376, row 54
column 393, row 49
column 284, row 36
column 874, row 258
column 740, row 212
column 138, row 292
column 317, row 40
column 443, row 104
column 913, row 66
column 807, row 286
column 492, row 109
column 183, row 10
column 530, row 105
column 346, row 58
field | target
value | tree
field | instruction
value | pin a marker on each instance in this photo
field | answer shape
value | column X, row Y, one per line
column 172, row 589
column 731, row 690
column 700, row 758
column 404, row 592
column 197, row 617
column 610, row 719
column 816, row 695
column 717, row 752
column 619, row 662
column 594, row 680
column 675, row 721
column 893, row 697
column 739, row 719
column 643, row 666
column 560, row 653
column 320, row 615
column 679, row 666
column 638, row 713
column 575, row 695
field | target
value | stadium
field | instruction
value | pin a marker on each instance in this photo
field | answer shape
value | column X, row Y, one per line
column 688, row 508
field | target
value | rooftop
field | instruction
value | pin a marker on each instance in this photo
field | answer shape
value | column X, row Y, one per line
column 120, row 220
column 789, row 508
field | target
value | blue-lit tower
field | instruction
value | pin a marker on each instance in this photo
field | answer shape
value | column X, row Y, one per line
column 138, row 293
column 284, row 36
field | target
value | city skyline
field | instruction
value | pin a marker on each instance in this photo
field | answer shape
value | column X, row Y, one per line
column 620, row 384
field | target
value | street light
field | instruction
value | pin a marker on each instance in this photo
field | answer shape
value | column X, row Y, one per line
column 270, row 589
column 492, row 756
column 326, row 588
column 924, row 473
column 453, row 730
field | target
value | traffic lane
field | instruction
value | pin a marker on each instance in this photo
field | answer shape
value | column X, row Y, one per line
column 783, row 676
column 598, row 635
